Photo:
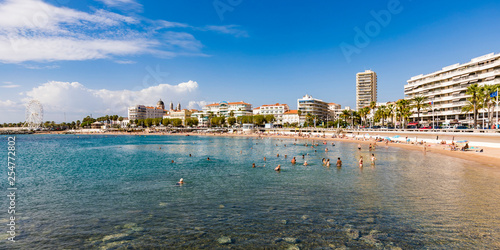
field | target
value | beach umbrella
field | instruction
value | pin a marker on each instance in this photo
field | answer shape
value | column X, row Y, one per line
column 396, row 136
column 387, row 138
column 463, row 141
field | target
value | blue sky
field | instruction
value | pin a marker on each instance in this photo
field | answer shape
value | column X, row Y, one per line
column 98, row 57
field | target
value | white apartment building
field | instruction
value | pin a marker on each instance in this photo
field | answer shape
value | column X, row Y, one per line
column 313, row 106
column 225, row 108
column 334, row 111
column 256, row 111
column 291, row 116
column 366, row 88
column 273, row 109
column 179, row 114
column 141, row 112
column 446, row 88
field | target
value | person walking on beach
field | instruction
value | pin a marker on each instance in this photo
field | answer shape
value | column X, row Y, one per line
column 339, row 162
column 361, row 161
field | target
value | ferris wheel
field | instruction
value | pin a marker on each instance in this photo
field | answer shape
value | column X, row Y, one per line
column 34, row 115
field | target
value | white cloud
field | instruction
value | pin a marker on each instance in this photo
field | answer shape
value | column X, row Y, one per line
column 32, row 30
column 75, row 99
column 227, row 29
column 9, row 85
column 198, row 105
column 125, row 4
column 8, row 104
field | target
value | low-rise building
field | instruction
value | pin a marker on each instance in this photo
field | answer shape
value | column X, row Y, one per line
column 313, row 106
column 277, row 110
column 141, row 112
column 227, row 108
column 179, row 114
column 291, row 117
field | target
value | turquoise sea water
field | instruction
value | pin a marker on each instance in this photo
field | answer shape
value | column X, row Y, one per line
column 120, row 192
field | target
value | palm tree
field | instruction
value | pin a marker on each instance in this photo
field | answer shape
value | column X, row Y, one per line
column 345, row 115
column 403, row 110
column 488, row 101
column 474, row 101
column 419, row 102
column 373, row 106
column 363, row 112
column 381, row 113
column 390, row 112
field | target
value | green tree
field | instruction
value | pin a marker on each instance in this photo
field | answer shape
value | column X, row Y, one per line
column 258, row 120
column 148, row 122
column 419, row 102
column 403, row 111
column 176, row 122
column 231, row 121
column 363, row 112
column 165, row 122
column 474, row 101
column 269, row 118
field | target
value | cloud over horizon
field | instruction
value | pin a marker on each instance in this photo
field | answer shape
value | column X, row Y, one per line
column 77, row 101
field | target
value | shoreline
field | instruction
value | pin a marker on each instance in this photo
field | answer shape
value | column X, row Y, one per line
column 490, row 157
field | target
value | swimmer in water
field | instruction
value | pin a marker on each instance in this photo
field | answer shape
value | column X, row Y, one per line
column 277, row 155
column 328, row 162
column 181, row 181
column 294, row 160
column 253, row 165
column 208, row 158
column 189, row 155
column 361, row 161
column 305, row 163
column 303, row 156
column 278, row 168
column 264, row 158
column 172, row 161
column 326, row 149
column 373, row 159
column 359, row 146
column 324, row 161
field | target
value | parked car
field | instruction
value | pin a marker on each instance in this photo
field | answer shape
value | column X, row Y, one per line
column 428, row 127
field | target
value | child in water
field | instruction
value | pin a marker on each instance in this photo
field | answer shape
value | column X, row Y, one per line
column 361, row 161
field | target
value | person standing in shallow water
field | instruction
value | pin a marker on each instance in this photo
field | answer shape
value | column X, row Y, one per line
column 359, row 146
column 373, row 159
column 294, row 160
column 361, row 161
column 339, row 162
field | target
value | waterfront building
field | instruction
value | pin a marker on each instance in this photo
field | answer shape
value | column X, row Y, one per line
column 256, row 111
column 277, row 110
column 366, row 88
column 334, row 111
column 179, row 114
column 178, row 106
column 226, row 108
column 445, row 90
column 141, row 112
column 171, row 107
column 290, row 117
column 310, row 105
column 201, row 116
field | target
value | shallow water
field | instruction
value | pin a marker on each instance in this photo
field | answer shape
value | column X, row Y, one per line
column 96, row 191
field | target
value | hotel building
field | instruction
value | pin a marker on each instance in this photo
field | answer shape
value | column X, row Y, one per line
column 366, row 88
column 273, row 109
column 446, row 89
column 291, row 117
column 141, row 112
column 313, row 106
column 334, row 111
column 225, row 108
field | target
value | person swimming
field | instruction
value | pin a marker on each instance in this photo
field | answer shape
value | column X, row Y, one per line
column 172, row 161
column 277, row 155
column 305, row 163
column 253, row 165
column 324, row 161
column 339, row 162
column 278, row 168
column 326, row 149
column 359, row 146
column 264, row 158
column 189, row 155
column 294, row 160
column 181, row 181
column 208, row 158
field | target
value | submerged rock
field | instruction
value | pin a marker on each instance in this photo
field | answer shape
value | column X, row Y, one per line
column 284, row 222
column 305, row 217
column 291, row 240
column 114, row 237
column 224, row 240
column 351, row 233
column 130, row 225
column 293, row 248
column 222, row 206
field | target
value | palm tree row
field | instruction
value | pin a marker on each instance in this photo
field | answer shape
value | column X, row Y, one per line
column 479, row 98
